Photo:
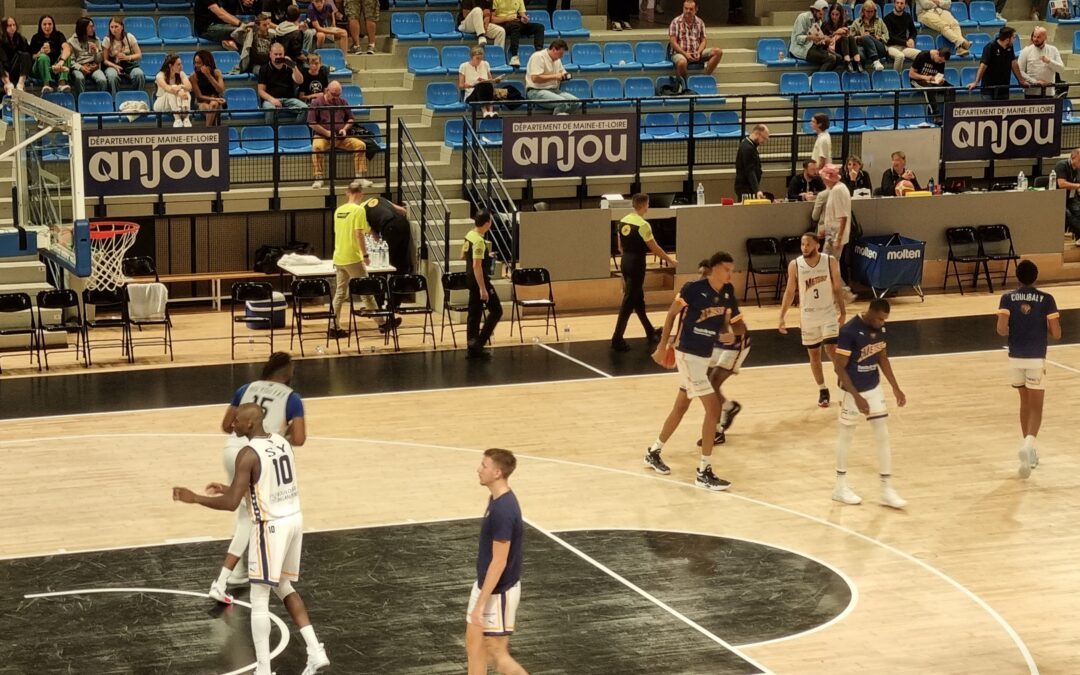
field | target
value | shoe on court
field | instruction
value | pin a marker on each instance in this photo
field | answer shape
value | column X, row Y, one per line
column 846, row 495
column 316, row 661
column 708, row 480
column 1026, row 463
column 718, row 439
column 823, row 399
column 652, row 459
column 1034, row 458
column 218, row 593
column 727, row 417
column 890, row 498
column 238, row 577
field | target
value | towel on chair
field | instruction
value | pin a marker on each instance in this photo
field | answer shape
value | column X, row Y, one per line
column 146, row 302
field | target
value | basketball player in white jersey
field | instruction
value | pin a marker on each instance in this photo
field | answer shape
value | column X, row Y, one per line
column 821, row 305
column 266, row 474
column 283, row 413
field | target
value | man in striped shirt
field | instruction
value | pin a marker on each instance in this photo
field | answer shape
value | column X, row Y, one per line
column 687, row 42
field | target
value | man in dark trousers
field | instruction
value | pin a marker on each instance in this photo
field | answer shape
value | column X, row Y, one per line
column 481, row 293
column 390, row 222
column 748, row 163
column 635, row 242
column 997, row 66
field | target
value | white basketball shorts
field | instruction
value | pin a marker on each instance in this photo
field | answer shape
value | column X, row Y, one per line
column 849, row 412
column 274, row 550
column 694, row 371
column 1027, row 372
column 500, row 612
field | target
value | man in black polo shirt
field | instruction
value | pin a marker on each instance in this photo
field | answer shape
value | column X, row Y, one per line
column 635, row 242
column 279, row 82
column 806, row 185
column 1068, row 178
column 997, row 64
column 928, row 71
column 748, row 163
column 390, row 223
column 898, row 179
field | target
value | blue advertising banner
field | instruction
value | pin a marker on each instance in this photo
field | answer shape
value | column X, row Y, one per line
column 137, row 161
column 557, row 146
column 887, row 262
column 1021, row 128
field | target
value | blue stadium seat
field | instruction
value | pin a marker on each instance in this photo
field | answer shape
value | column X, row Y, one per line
column 353, row 95
column 234, row 143
column 924, row 43
column 294, row 138
column 886, row 80
column 967, row 75
column 834, row 124
column 453, row 56
column 454, row 134
column 567, row 61
column 441, row 26
column 858, row 84
column 490, row 132
column 227, row 62
column 568, row 23
column 880, row 117
column 726, row 124
column 443, row 3
column 407, row 26
column 375, row 135
column 588, row 57
column 127, row 95
column 701, row 125
column 424, row 61
column 139, row 6
column 978, row 44
column 151, row 63
column 257, row 140
column 1065, row 22
column 526, row 51
column 63, row 99
column 826, row 85
column 334, row 59
column 960, row 12
column 144, row 30
column 516, row 84
column 242, row 103
column 174, row 5
column 705, row 86
column 769, row 51
column 541, row 17
column 96, row 103
column 579, row 88
column 652, row 56
column 188, row 59
column 912, row 115
column 1067, row 115
column 444, row 97
column 409, row 3
column 952, row 76
column 856, row 119
column 496, row 58
column 620, row 56
column 660, row 127
column 794, row 83
column 113, row 7
column 608, row 88
column 643, row 88
column 984, row 13
column 176, row 30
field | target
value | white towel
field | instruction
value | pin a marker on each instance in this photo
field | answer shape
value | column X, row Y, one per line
column 291, row 259
column 134, row 109
column 146, row 302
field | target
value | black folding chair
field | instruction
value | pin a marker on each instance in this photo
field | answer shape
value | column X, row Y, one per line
column 453, row 282
column 12, row 306
column 404, row 287
column 532, row 277
column 964, row 249
column 66, row 303
column 311, row 301
column 763, row 257
column 790, row 249
column 997, row 245
column 140, row 322
column 251, row 291
column 373, row 287
column 105, row 309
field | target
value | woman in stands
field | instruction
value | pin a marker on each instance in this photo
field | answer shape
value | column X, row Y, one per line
column 871, row 35
column 173, row 93
column 208, row 87
column 855, row 176
column 474, row 78
column 122, row 56
column 46, row 47
column 835, row 26
column 14, row 55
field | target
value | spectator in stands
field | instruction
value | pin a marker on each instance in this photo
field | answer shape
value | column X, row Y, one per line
column 805, row 186
column 997, row 65
column 475, row 17
column 511, row 15
column 748, row 163
column 928, row 73
column 552, row 5
column 390, row 223
column 255, row 52
column 1041, row 63
column 855, row 176
column 686, row 42
column 208, row 86
column 808, row 42
column 276, row 9
column 1068, row 178
column 279, row 82
column 14, row 55
column 475, row 79
column 316, row 79
column 871, row 34
column 216, row 24
column 935, row 15
column 366, row 12
column 297, row 38
column 331, row 123
column 841, row 41
column 902, row 32
column 898, row 179
column 822, row 150
column 543, row 75
column 47, row 46
column 85, row 51
column 320, row 16
column 619, row 12
column 121, row 57
column 173, row 93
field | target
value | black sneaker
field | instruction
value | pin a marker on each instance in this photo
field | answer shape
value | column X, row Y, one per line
column 823, row 399
column 620, row 346
column 338, row 333
column 718, row 439
column 655, row 335
column 728, row 418
column 652, row 459
column 478, row 353
column 708, row 480
column 389, row 326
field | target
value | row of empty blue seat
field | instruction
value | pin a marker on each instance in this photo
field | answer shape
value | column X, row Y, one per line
column 444, row 26
column 118, row 6
column 583, row 56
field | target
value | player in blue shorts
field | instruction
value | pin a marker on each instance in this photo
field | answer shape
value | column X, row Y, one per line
column 860, row 360
column 1026, row 316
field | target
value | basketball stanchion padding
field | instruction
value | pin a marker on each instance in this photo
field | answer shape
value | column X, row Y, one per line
column 109, row 241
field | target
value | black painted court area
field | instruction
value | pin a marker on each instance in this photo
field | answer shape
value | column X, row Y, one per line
column 373, row 374
column 392, row 600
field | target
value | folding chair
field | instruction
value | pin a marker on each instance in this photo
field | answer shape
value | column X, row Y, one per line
column 66, row 302
column 763, row 256
column 140, row 266
column 140, row 322
column 308, row 292
column 529, row 277
column 402, row 287
column 964, row 248
column 452, row 282
column 251, row 291
column 17, row 303
column 109, row 312
column 373, row 287
column 997, row 245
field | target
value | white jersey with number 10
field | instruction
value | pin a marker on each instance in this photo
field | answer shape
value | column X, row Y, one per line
column 815, row 287
column 276, row 494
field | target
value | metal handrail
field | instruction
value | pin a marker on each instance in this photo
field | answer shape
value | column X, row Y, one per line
column 420, row 193
column 483, row 186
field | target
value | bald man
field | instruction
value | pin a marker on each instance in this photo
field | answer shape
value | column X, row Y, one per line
column 331, row 123
column 1041, row 63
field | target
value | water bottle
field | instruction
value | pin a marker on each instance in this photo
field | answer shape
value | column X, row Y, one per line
column 1021, row 182
column 930, row 186
column 781, row 56
column 700, row 194
column 1053, row 180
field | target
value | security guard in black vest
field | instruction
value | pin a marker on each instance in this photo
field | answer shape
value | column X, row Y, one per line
column 482, row 295
column 635, row 242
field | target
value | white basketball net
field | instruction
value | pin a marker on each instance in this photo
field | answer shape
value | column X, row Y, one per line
column 108, row 244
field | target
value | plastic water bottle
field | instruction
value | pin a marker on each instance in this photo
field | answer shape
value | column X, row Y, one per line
column 781, row 56
column 1053, row 180
column 1021, row 182
column 700, row 194
column 930, row 186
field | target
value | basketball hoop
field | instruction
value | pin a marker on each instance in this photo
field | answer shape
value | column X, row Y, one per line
column 109, row 241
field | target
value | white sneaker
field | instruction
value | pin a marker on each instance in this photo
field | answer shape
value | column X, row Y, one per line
column 218, row 593
column 515, row 62
column 626, row 25
column 878, row 67
column 365, row 183
column 890, row 498
column 1026, row 462
column 187, row 122
column 845, row 495
column 316, row 661
column 177, row 123
column 615, row 25
column 238, row 577
column 21, row 86
column 46, row 90
column 64, row 88
column 1034, row 458
column 317, row 185
column 482, row 40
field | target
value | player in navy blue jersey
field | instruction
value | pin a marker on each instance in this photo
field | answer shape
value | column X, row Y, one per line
column 708, row 308
column 1027, row 315
column 860, row 360
column 727, row 360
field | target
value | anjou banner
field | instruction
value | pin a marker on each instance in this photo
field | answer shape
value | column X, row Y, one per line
column 987, row 130
column 137, row 161
column 555, row 146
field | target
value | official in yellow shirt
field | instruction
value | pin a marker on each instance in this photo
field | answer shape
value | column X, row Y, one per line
column 482, row 294
column 635, row 242
column 350, row 252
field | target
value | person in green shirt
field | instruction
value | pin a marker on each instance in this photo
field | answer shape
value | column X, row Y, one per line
column 635, row 242
column 482, row 294
column 350, row 253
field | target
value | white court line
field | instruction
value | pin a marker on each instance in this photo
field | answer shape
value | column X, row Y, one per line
column 1063, row 366
column 282, row 628
column 835, row 570
column 572, row 359
column 648, row 596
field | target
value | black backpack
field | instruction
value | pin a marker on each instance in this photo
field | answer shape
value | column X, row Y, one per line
column 267, row 255
column 674, row 86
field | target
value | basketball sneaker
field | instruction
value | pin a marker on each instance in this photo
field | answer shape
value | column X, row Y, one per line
column 708, row 480
column 1034, row 458
column 238, row 577
column 718, row 439
column 316, row 661
column 823, row 399
column 890, row 498
column 845, row 495
column 1027, row 461
column 652, row 459
column 727, row 417
column 218, row 593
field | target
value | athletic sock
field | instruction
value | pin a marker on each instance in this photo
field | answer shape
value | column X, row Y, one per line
column 843, row 444
column 1029, row 442
column 260, row 627
column 823, row 387
column 881, row 440
column 308, row 633
column 728, row 405
column 657, row 446
column 223, row 577
column 841, row 480
column 704, row 463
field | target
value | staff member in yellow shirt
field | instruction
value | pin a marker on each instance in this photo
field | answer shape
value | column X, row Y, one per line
column 482, row 294
column 635, row 242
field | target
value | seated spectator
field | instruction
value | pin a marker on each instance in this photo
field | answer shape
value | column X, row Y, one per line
column 255, row 52
column 474, row 78
column 46, row 48
column 1068, row 178
column 173, row 94
column 686, row 42
column 320, row 17
column 822, row 150
column 935, row 15
column 85, row 51
column 805, row 186
column 544, row 74
column 898, row 179
column 475, row 17
column 855, row 177
column 276, row 9
column 367, row 12
column 121, row 58
column 928, row 72
column 208, row 87
column 901, row 36
column 997, row 66
column 835, row 27
column 214, row 23
column 871, row 33
column 808, row 42
column 316, row 79
column 297, row 38
column 14, row 55
column 1041, row 63
column 331, row 123
column 279, row 82
column 512, row 17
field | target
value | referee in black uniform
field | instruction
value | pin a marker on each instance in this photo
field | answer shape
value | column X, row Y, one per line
column 482, row 295
column 390, row 223
column 635, row 241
